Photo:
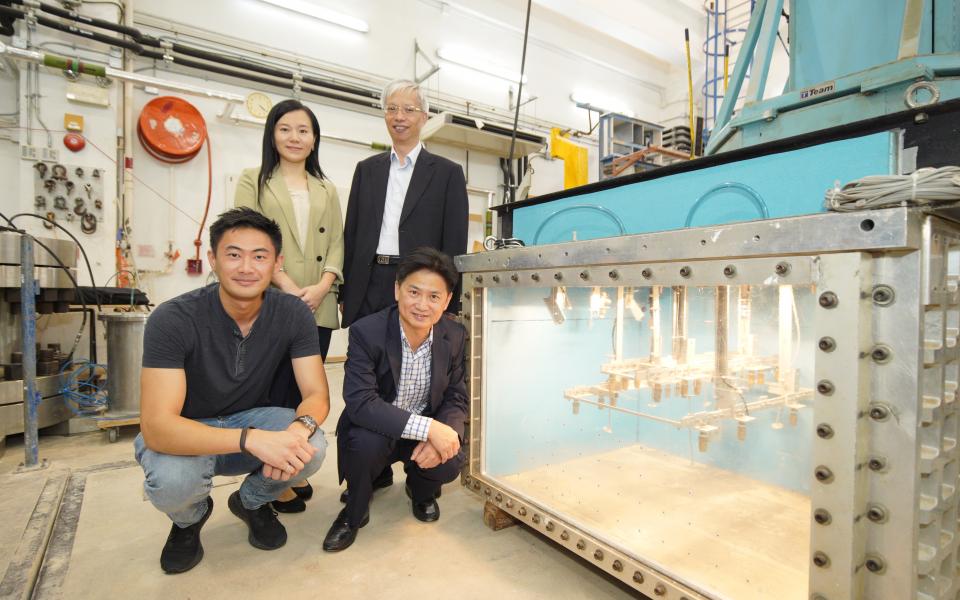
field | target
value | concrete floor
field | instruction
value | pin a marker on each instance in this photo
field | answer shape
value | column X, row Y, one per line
column 85, row 528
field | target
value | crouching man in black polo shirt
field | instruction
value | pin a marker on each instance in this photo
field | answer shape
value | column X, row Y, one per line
column 209, row 357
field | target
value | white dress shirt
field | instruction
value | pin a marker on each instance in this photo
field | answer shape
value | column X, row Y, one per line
column 397, row 184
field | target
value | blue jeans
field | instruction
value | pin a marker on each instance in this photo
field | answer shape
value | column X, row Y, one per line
column 179, row 485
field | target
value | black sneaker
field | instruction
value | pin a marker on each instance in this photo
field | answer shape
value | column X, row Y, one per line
column 183, row 550
column 266, row 531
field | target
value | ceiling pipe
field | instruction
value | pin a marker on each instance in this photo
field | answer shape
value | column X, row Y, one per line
column 141, row 39
column 212, row 67
column 61, row 62
column 144, row 46
column 351, row 92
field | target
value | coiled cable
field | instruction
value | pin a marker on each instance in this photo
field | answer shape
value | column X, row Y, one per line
column 81, row 385
column 925, row 188
column 494, row 243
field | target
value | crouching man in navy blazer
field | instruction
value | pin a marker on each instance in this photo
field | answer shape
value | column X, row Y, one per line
column 405, row 397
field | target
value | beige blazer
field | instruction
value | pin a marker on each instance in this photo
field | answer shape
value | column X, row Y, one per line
column 323, row 251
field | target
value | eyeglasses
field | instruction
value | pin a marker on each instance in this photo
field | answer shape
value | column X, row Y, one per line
column 393, row 109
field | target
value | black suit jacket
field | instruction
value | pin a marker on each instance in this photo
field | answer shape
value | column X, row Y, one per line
column 371, row 377
column 435, row 213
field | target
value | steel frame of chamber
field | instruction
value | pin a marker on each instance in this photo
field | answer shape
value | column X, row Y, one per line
column 886, row 323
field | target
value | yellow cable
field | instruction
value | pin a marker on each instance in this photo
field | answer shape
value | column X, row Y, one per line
column 693, row 135
column 726, row 67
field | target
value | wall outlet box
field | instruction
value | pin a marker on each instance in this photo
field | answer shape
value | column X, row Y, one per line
column 194, row 266
column 36, row 153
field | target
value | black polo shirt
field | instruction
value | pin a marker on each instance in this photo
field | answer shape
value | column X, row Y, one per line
column 226, row 372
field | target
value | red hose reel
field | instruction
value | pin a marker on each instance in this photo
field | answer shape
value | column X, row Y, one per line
column 172, row 130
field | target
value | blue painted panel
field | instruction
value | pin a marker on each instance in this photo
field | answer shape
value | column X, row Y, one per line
column 795, row 116
column 947, row 33
column 787, row 184
column 830, row 39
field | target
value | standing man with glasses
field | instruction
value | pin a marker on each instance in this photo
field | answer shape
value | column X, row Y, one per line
column 399, row 200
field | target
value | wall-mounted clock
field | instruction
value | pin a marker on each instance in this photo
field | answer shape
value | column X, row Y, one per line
column 258, row 104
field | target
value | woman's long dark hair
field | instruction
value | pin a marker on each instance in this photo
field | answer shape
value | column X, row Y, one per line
column 271, row 157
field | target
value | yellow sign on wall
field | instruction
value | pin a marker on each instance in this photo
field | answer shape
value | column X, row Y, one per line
column 73, row 122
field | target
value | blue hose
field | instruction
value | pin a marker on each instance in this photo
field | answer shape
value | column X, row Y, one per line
column 748, row 191
column 605, row 211
column 80, row 390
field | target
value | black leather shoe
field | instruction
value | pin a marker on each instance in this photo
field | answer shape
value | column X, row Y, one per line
column 183, row 550
column 341, row 535
column 297, row 505
column 383, row 480
column 428, row 511
column 305, row 491
column 266, row 532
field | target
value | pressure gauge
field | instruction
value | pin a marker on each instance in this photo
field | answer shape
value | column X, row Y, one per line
column 259, row 104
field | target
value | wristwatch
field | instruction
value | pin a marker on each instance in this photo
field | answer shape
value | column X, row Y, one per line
column 308, row 422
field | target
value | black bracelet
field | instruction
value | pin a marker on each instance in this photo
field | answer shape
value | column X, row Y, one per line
column 243, row 441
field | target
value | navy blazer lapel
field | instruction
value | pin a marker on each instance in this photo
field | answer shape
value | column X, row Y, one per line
column 439, row 365
column 422, row 173
column 394, row 352
column 381, row 175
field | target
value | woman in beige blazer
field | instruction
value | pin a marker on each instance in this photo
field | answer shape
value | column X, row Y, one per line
column 290, row 188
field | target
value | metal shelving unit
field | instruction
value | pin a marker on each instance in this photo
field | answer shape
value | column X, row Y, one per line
column 621, row 136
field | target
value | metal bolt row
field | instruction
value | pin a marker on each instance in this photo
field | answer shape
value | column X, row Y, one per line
column 782, row 269
column 882, row 295
column 598, row 554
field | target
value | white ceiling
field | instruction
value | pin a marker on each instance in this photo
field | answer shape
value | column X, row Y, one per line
column 655, row 27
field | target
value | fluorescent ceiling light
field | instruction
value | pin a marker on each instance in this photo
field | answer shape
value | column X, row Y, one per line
column 471, row 60
column 324, row 14
column 600, row 103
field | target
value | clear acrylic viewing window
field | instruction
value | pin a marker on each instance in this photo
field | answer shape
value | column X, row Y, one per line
column 673, row 423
